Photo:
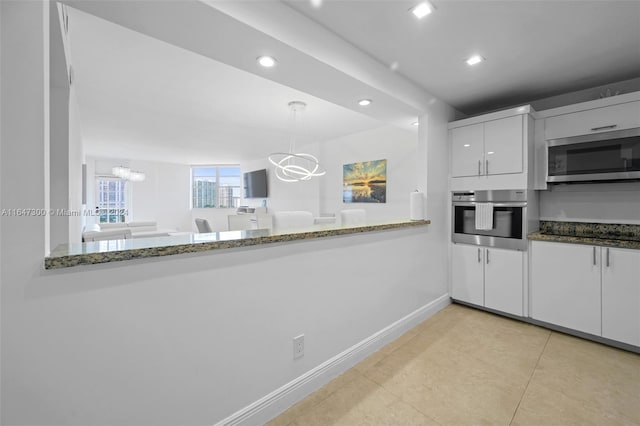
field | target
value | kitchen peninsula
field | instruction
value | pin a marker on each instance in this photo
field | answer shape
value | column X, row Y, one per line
column 68, row 255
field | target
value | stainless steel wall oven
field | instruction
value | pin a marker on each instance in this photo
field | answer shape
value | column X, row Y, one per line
column 508, row 222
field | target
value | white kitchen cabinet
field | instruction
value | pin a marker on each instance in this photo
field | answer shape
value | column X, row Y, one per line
column 467, row 145
column 493, row 151
column 467, row 276
column 490, row 148
column 597, row 120
column 503, row 146
column 565, row 285
column 503, row 280
column 621, row 295
column 488, row 277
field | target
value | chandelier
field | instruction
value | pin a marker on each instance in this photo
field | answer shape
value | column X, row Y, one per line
column 127, row 174
column 295, row 166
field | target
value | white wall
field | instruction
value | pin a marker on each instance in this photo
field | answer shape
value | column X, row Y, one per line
column 626, row 86
column 185, row 339
column 162, row 197
column 76, row 159
column 603, row 202
column 287, row 195
column 323, row 195
column 399, row 147
column 433, row 172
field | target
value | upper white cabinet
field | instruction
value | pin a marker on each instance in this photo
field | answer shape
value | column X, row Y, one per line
column 491, row 151
column 503, row 146
column 614, row 117
column 467, row 144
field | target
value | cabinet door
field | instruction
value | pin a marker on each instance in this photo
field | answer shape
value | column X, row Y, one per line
column 467, row 281
column 503, row 280
column 467, row 146
column 621, row 295
column 597, row 120
column 503, row 146
column 565, row 285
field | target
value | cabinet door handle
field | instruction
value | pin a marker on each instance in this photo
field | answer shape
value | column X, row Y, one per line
column 607, row 257
column 610, row 126
column 479, row 256
column 479, row 166
column 486, row 167
column 594, row 255
column 487, row 256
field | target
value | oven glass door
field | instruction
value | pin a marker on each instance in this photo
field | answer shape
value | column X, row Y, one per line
column 507, row 221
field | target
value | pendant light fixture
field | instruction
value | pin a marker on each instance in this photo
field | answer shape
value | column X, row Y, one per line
column 126, row 173
column 295, row 166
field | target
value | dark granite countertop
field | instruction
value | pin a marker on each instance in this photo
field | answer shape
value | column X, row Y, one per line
column 600, row 234
column 68, row 255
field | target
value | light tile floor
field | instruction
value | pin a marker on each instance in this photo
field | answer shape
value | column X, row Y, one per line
column 468, row 367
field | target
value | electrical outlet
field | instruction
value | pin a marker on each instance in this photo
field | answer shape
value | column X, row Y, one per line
column 298, row 346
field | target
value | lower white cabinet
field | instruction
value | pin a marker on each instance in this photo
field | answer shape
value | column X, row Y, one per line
column 591, row 289
column 503, row 280
column 621, row 295
column 467, row 276
column 565, row 285
column 488, row 277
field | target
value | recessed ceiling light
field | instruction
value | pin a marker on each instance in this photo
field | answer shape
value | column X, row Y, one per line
column 421, row 10
column 364, row 102
column 266, row 61
column 415, row 123
column 475, row 59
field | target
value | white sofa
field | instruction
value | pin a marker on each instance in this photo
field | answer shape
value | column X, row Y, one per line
column 124, row 231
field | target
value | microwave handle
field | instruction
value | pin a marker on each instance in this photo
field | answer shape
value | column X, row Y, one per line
column 473, row 204
column 610, row 126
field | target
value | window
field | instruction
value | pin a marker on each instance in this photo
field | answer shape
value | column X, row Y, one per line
column 215, row 186
column 111, row 200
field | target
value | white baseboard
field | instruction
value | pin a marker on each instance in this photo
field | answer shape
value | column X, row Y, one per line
column 269, row 406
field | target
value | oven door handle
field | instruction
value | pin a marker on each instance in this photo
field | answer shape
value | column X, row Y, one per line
column 473, row 204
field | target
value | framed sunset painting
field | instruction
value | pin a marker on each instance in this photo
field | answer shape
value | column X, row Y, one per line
column 365, row 182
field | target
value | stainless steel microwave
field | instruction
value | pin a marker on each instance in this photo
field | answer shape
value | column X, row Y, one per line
column 608, row 156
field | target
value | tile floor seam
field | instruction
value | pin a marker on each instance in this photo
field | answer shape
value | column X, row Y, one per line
column 321, row 400
column 533, row 371
column 416, row 408
column 400, row 398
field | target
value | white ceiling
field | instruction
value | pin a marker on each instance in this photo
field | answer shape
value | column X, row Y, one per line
column 533, row 48
column 140, row 97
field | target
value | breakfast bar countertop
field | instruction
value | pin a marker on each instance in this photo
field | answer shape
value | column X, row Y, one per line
column 599, row 234
column 68, row 255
